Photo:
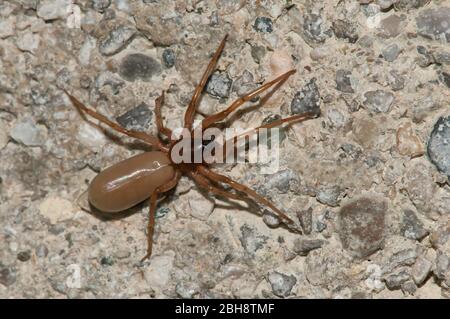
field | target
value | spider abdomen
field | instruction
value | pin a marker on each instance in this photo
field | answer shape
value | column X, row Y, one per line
column 130, row 181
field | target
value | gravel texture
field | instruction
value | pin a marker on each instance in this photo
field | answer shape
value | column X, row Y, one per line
column 366, row 182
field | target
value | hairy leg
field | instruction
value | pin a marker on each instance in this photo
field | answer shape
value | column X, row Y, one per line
column 207, row 122
column 244, row 189
column 149, row 139
column 190, row 112
column 151, row 216
column 159, row 122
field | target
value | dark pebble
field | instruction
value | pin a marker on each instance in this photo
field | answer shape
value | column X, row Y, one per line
column 439, row 146
column 139, row 66
column 307, row 99
column 219, row 85
column 168, row 58
column 24, row 255
column 263, row 24
column 138, row 118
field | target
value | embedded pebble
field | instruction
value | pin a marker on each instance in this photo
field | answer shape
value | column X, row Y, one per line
column 361, row 225
column 329, row 195
column 305, row 218
column 91, row 136
column 7, row 276
column 391, row 52
column 244, row 84
column 258, row 52
column 315, row 30
column 421, row 270
column 219, row 85
column 28, row 41
column 138, row 118
column 3, row 134
column 117, row 40
column 56, row 209
column 379, row 101
column 41, row 251
column 408, row 143
column 271, row 220
column 412, row 227
column 250, row 239
column 345, row 30
column 54, row 9
column 281, row 284
column 343, row 81
column 263, row 24
column 28, row 133
column 7, row 27
column 24, row 256
column 139, row 66
column 391, row 26
column 439, row 145
column 307, row 99
column 409, row 4
column 396, row 81
column 445, row 78
column 101, row 5
column 304, row 246
column 158, row 273
column 434, row 23
column 168, row 57
column 395, row 280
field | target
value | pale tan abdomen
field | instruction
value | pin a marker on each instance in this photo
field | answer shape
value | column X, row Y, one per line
column 130, row 182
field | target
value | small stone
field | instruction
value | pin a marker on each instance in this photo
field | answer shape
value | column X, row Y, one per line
column 116, row 40
column 409, row 287
column 168, row 58
column 391, row 26
column 426, row 58
column 271, row 220
column 396, row 81
column 24, row 255
column 107, row 261
column 395, row 280
column 314, row 29
column 307, row 99
column 442, row 266
column 305, row 218
column 101, row 5
column 41, row 251
column 391, row 52
column 28, row 41
column 408, row 143
column 440, row 236
column 138, row 119
column 219, row 85
column 424, row 107
column 385, row 4
column 7, row 276
column 91, row 136
column 343, row 81
column 329, row 195
column 244, row 84
column 434, row 23
column 251, row 240
column 158, row 273
column 7, row 27
column 4, row 136
column 258, row 53
column 409, row 4
column 421, row 270
column 28, row 133
column 161, row 212
column 345, row 30
column 84, row 56
column 139, row 66
column 304, row 246
column 186, row 290
column 281, row 284
column 201, row 207
column 263, row 24
column 439, row 145
column 54, row 9
column 361, row 225
column 56, row 209
column 405, row 257
column 320, row 53
column 281, row 180
column 379, row 101
column 412, row 227
column 445, row 78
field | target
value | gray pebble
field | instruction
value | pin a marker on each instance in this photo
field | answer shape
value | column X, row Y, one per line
column 409, row 287
column 305, row 218
column 24, row 255
column 219, row 85
column 421, row 270
column 314, row 29
column 168, row 58
column 396, row 81
column 7, row 276
column 391, row 26
column 405, row 257
column 395, row 280
column 186, row 290
column 345, row 30
column 263, row 24
column 27, row 133
column 161, row 212
column 271, row 220
column 412, row 227
column 384, row 4
column 329, row 195
column 244, row 84
column 280, row 180
column 445, row 78
column 434, row 23
column 107, row 261
column 409, row 4
column 343, row 81
column 307, row 99
column 439, row 145
column 304, row 246
column 442, row 266
column 281, row 284
column 258, row 53
column 426, row 58
column 378, row 101
column 139, row 66
column 100, row 5
column 361, row 226
column 251, row 240
column 41, row 251
column 138, row 118
column 117, row 40
column 391, row 52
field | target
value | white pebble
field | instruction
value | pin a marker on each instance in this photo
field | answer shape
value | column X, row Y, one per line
column 91, row 136
column 56, row 209
column 28, row 133
column 28, row 41
column 54, row 9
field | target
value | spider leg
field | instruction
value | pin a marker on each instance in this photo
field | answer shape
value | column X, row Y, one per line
column 149, row 139
column 205, row 183
column 190, row 112
column 244, row 189
column 159, row 122
column 207, row 122
column 152, row 209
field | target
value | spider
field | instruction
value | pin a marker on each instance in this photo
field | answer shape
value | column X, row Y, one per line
column 147, row 175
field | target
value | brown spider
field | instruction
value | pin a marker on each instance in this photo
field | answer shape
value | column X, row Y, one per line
column 149, row 174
